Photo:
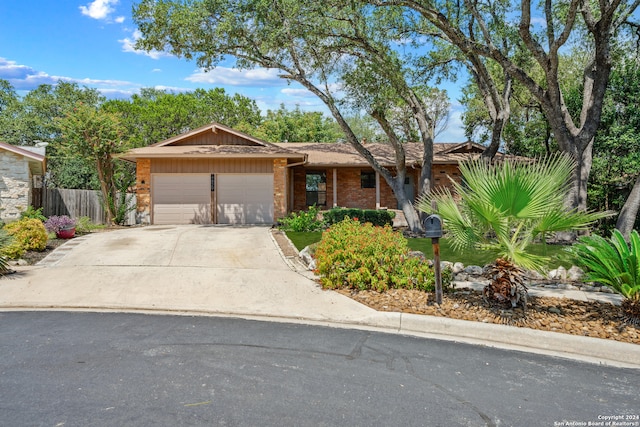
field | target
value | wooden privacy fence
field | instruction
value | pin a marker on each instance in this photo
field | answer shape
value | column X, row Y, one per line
column 77, row 203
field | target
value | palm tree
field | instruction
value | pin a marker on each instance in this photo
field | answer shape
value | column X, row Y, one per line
column 503, row 208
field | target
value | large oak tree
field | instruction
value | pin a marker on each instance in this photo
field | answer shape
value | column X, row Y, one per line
column 466, row 25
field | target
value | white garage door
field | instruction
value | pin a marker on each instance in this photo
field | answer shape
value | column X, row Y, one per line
column 181, row 199
column 244, row 198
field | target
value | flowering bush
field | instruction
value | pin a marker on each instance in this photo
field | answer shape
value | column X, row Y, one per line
column 57, row 223
column 28, row 235
column 365, row 257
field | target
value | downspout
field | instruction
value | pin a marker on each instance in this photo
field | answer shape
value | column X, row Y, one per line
column 291, row 184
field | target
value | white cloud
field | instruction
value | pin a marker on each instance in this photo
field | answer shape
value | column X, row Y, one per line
column 235, row 77
column 128, row 45
column 99, row 9
column 301, row 93
column 25, row 78
column 455, row 128
column 156, row 70
column 172, row 89
column 120, row 19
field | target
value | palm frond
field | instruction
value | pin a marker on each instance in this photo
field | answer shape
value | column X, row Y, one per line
column 612, row 263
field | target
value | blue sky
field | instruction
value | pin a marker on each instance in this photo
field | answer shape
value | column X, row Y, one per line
column 90, row 43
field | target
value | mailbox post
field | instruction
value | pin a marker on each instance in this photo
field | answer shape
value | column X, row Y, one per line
column 433, row 229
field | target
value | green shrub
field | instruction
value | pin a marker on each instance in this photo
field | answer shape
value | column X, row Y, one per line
column 613, row 263
column 302, row 221
column 33, row 213
column 85, row 225
column 28, row 234
column 376, row 217
column 5, row 241
column 363, row 257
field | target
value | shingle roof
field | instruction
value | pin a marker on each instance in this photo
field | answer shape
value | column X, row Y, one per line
column 37, row 161
column 343, row 154
column 211, row 151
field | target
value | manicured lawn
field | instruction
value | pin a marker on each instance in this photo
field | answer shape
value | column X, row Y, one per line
column 302, row 239
column 474, row 257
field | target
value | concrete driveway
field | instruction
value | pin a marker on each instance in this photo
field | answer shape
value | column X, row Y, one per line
column 239, row 271
column 206, row 269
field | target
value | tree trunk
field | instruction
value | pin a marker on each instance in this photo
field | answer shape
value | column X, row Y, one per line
column 409, row 211
column 105, row 175
column 629, row 212
column 577, row 196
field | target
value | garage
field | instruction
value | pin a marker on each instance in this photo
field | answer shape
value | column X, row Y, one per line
column 181, row 198
column 244, row 198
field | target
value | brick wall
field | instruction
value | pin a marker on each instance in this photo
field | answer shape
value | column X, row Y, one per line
column 350, row 193
column 143, row 191
column 15, row 188
column 441, row 173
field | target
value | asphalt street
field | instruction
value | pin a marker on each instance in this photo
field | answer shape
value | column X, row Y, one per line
column 115, row 369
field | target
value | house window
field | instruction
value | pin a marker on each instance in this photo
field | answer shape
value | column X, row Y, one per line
column 367, row 179
column 316, row 188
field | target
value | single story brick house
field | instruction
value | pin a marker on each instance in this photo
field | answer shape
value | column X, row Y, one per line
column 21, row 170
column 217, row 175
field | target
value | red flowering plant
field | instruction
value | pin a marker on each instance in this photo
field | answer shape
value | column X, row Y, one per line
column 363, row 257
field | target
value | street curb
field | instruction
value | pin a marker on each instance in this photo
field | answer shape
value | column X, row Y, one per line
column 584, row 349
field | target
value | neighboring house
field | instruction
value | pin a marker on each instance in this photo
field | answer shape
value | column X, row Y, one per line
column 215, row 174
column 21, row 169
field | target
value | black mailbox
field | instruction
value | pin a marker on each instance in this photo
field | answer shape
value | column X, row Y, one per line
column 433, row 226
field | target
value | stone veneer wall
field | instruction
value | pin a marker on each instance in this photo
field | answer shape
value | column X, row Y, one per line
column 279, row 188
column 143, row 191
column 15, row 188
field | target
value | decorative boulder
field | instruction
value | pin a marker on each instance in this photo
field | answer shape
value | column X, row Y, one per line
column 575, row 274
column 458, row 267
column 306, row 257
column 473, row 270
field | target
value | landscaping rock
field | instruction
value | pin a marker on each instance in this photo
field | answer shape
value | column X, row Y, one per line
column 458, row 267
column 461, row 277
column 534, row 275
column 473, row 270
column 306, row 257
column 559, row 273
column 562, row 315
column 575, row 274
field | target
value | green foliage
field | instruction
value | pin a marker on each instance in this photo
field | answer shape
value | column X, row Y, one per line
column 378, row 218
column 33, row 213
column 365, row 257
column 28, row 234
column 616, row 161
column 555, row 253
column 155, row 115
column 303, row 221
column 505, row 207
column 283, row 125
column 5, row 241
column 302, row 239
column 85, row 225
column 95, row 135
column 613, row 263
